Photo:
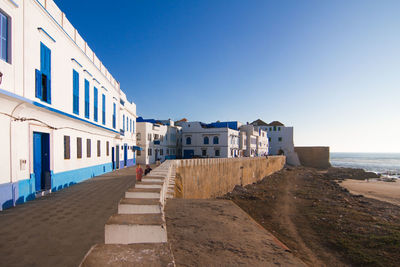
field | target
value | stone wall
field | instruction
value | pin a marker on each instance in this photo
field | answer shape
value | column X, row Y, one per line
column 314, row 156
column 210, row 178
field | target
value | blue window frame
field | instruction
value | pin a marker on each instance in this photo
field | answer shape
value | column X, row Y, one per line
column 114, row 115
column 215, row 140
column 75, row 78
column 43, row 76
column 188, row 140
column 4, row 37
column 133, row 125
column 103, row 107
column 87, row 97
column 127, row 124
column 95, row 103
column 123, row 122
column 206, row 140
column 130, row 123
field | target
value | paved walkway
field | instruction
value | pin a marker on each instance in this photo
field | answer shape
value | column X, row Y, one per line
column 59, row 229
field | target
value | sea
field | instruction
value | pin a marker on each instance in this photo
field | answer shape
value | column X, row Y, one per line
column 386, row 164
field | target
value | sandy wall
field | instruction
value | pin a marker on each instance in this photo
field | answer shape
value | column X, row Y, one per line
column 313, row 156
column 209, row 178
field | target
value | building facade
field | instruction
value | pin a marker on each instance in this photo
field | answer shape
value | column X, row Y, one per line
column 209, row 140
column 256, row 144
column 63, row 117
column 280, row 139
column 158, row 140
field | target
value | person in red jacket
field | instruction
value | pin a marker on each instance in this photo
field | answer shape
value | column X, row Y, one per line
column 139, row 173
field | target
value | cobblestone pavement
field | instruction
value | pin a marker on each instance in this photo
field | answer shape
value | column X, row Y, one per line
column 58, row 229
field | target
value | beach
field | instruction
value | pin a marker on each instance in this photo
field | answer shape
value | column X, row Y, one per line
column 380, row 190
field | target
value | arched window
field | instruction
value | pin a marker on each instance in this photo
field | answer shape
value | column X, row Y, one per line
column 215, row 140
column 206, row 141
column 188, row 140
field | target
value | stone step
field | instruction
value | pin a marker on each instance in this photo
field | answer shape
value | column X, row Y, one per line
column 143, row 193
column 113, row 255
column 139, row 206
column 152, row 179
column 135, row 228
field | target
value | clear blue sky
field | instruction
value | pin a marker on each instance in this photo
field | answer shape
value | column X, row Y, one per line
column 331, row 69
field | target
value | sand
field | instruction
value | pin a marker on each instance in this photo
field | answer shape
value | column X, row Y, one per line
column 384, row 191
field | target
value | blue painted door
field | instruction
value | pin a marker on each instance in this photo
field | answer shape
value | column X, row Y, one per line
column 41, row 161
column 188, row 153
column 113, row 157
column 125, row 154
column 117, row 156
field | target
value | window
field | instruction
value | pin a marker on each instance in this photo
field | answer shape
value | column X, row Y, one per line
column 4, row 37
column 95, row 104
column 149, row 136
column 87, row 97
column 188, row 140
column 280, row 139
column 67, row 151
column 206, row 140
column 139, row 153
column 167, row 151
column 123, row 122
column 114, row 115
column 270, row 128
column 269, row 139
column 217, row 152
column 103, row 107
column 274, row 128
column 98, row 148
column 204, row 152
column 149, row 151
column 79, row 147
column 43, row 76
column 88, row 148
column 279, row 128
column 108, row 148
column 215, row 140
column 133, row 125
column 75, row 92
column 127, row 124
column 130, row 123
column 161, row 152
column 138, row 137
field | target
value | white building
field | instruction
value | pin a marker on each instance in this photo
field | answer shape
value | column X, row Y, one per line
column 63, row 116
column 280, row 140
column 209, row 140
column 158, row 139
column 256, row 141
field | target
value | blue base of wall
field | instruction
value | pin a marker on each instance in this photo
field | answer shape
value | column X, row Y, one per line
column 129, row 162
column 65, row 179
column 19, row 192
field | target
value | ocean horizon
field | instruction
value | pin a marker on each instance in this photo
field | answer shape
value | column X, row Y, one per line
column 387, row 164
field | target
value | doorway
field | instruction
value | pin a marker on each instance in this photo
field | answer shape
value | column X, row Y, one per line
column 113, row 157
column 117, row 156
column 125, row 155
column 41, row 161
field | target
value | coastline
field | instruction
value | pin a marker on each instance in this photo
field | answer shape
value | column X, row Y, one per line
column 380, row 190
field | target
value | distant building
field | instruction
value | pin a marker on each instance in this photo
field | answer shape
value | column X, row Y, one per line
column 158, row 139
column 256, row 141
column 214, row 140
column 280, row 139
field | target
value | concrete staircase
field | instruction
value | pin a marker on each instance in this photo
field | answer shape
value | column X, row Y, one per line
column 137, row 235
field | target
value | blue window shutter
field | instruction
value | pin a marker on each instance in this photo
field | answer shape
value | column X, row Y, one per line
column 48, row 90
column 123, row 122
column 87, row 95
column 95, row 104
column 75, row 92
column 42, row 58
column 104, row 109
column 38, row 80
column 4, row 37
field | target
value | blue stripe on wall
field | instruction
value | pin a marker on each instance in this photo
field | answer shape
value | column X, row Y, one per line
column 24, row 190
column 65, row 179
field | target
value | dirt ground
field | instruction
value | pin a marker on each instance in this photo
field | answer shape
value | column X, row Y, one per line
column 219, row 233
column 385, row 191
column 320, row 221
